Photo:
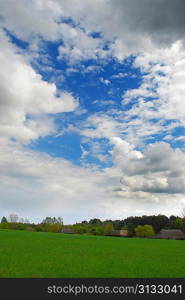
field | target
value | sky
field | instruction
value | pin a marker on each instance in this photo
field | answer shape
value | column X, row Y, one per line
column 92, row 108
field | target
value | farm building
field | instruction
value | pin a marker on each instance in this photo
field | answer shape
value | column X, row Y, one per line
column 68, row 230
column 123, row 232
column 173, row 234
column 119, row 233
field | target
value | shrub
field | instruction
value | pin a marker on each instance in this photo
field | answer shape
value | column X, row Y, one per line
column 20, row 226
column 80, row 229
column 17, row 226
column 52, row 227
column 92, row 230
column 99, row 230
column 29, row 228
column 4, row 225
column 38, row 228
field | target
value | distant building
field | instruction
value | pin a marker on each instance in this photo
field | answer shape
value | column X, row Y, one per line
column 172, row 234
column 68, row 230
column 119, row 233
column 123, row 232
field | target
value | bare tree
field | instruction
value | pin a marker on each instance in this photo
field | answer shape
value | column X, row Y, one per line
column 60, row 220
column 13, row 218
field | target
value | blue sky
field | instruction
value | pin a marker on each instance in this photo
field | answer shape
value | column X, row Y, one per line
column 92, row 109
column 87, row 82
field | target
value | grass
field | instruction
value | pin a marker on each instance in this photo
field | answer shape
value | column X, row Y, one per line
column 37, row 254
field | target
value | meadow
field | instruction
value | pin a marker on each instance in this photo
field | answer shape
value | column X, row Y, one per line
column 40, row 254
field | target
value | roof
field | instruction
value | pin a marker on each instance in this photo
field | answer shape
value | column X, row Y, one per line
column 67, row 230
column 175, row 234
column 119, row 233
column 115, row 233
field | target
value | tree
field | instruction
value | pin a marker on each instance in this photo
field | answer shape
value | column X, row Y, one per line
column 13, row 218
column 139, row 230
column 108, row 228
column 158, row 222
column 118, row 224
column 179, row 223
column 50, row 220
column 131, row 229
column 172, row 222
column 95, row 222
column 144, row 231
column 80, row 229
column 85, row 222
column 47, row 220
column 4, row 220
column 60, row 221
column 52, row 227
column 99, row 230
column 148, row 230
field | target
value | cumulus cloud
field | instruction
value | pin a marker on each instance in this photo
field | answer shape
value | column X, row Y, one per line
column 129, row 26
column 159, row 169
column 161, row 94
column 79, row 45
column 100, row 126
column 25, row 25
column 151, row 176
column 26, row 99
column 42, row 185
column 160, row 21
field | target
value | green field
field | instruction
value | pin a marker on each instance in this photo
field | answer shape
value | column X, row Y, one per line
column 37, row 254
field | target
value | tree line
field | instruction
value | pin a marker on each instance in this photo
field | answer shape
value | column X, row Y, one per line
column 49, row 224
column 135, row 225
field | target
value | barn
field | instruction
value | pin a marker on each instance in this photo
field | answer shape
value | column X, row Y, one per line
column 68, row 230
column 173, row 234
column 122, row 233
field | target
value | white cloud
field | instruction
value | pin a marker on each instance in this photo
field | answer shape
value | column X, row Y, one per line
column 100, row 126
column 163, row 83
column 159, row 170
column 120, row 75
column 23, row 94
column 79, row 45
column 43, row 185
column 152, row 177
column 84, row 152
column 27, row 19
column 105, row 81
column 102, row 103
column 129, row 26
column 51, row 186
column 93, row 68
